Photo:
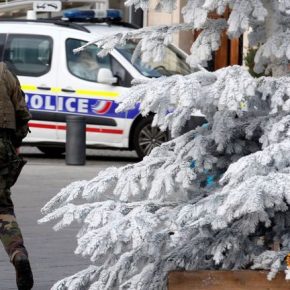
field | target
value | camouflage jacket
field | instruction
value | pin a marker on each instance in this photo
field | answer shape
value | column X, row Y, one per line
column 14, row 113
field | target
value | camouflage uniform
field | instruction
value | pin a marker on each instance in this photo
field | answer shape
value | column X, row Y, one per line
column 14, row 117
column 10, row 233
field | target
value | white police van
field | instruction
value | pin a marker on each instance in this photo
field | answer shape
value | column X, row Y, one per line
column 40, row 52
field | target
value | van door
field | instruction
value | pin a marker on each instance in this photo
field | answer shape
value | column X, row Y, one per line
column 33, row 58
column 81, row 94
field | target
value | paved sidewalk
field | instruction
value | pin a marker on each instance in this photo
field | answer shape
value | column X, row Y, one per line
column 51, row 253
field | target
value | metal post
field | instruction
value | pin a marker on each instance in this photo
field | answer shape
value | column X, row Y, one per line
column 75, row 140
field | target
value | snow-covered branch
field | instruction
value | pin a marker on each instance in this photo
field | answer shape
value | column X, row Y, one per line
column 216, row 197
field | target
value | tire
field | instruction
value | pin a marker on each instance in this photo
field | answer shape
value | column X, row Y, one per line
column 146, row 137
column 51, row 151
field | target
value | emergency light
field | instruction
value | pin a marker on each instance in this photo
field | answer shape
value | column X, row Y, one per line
column 109, row 14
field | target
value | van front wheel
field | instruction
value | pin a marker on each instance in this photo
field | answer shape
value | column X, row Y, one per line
column 147, row 137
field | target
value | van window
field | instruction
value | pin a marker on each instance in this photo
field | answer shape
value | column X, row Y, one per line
column 85, row 64
column 123, row 76
column 29, row 55
column 172, row 63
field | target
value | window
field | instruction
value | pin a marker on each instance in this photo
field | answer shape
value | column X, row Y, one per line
column 124, row 78
column 172, row 63
column 29, row 55
column 86, row 64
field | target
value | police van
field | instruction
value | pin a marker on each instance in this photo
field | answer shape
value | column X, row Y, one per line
column 57, row 82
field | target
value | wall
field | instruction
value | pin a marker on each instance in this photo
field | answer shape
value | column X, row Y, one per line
column 184, row 39
column 230, row 52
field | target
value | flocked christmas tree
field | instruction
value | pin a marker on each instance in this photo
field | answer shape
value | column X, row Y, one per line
column 214, row 198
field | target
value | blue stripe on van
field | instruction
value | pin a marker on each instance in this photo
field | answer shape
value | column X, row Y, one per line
column 77, row 105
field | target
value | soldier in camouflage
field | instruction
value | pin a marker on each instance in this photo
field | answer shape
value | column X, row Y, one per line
column 14, row 117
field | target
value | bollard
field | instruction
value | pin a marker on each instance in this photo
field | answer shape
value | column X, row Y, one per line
column 75, row 146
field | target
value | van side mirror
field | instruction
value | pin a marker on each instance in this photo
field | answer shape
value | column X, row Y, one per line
column 105, row 76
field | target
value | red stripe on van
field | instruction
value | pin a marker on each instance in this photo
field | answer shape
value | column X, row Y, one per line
column 63, row 127
column 43, row 126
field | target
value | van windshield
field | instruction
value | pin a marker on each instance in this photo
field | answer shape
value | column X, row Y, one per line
column 173, row 62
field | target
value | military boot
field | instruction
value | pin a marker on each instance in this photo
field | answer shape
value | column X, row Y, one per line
column 24, row 277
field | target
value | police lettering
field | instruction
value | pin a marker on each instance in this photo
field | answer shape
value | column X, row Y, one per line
column 62, row 104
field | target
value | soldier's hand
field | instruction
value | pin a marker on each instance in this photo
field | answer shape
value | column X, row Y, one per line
column 17, row 150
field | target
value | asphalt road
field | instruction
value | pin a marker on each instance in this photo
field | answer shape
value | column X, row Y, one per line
column 51, row 253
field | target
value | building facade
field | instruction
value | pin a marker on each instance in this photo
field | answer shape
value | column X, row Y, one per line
column 230, row 52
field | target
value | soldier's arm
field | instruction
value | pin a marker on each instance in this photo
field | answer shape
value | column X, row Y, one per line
column 22, row 114
column 18, row 99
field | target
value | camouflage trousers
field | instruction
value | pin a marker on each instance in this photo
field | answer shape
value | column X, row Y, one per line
column 10, row 234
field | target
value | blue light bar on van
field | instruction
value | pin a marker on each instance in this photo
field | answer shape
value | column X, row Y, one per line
column 114, row 14
column 79, row 14
column 76, row 14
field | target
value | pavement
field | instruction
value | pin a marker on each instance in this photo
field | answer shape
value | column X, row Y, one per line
column 51, row 253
